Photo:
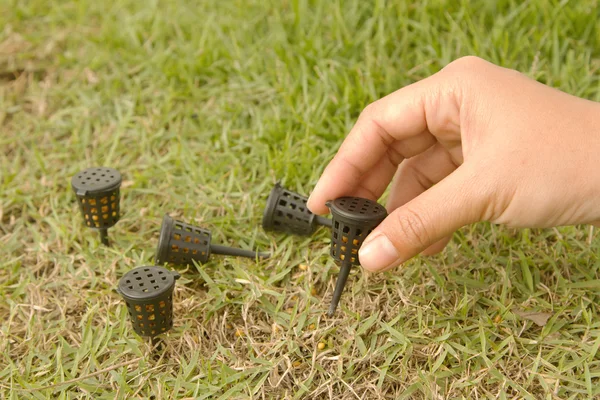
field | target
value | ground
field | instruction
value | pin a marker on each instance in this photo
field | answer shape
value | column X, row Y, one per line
column 203, row 106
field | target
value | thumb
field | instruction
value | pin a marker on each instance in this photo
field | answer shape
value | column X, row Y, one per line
column 458, row 200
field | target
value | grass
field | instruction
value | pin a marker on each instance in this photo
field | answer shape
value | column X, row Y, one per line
column 203, row 106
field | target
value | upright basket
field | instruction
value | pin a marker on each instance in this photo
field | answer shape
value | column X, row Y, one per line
column 353, row 219
column 148, row 293
column 97, row 191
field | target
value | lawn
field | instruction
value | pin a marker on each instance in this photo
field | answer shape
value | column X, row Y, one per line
column 203, row 106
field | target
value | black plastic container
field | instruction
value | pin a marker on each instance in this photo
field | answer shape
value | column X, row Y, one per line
column 286, row 211
column 353, row 219
column 148, row 293
column 98, row 194
column 181, row 244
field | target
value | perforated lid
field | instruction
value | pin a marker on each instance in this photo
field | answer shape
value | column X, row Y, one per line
column 357, row 208
column 147, row 282
column 96, row 180
column 163, row 240
column 271, row 206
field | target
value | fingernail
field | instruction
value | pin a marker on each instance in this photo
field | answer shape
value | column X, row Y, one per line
column 378, row 253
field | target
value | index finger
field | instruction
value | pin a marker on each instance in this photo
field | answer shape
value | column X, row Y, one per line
column 381, row 126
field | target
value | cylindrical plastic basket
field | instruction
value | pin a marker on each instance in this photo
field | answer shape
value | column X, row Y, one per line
column 148, row 293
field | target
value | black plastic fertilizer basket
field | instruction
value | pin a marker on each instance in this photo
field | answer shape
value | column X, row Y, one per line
column 97, row 191
column 353, row 219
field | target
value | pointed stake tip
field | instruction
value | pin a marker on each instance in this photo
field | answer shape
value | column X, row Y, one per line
column 332, row 308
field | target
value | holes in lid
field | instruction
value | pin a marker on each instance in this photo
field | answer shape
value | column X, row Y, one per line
column 156, row 287
column 164, row 278
column 161, row 272
column 136, row 272
column 139, row 278
column 153, row 280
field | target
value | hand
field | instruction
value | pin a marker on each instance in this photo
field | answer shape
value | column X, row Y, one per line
column 474, row 142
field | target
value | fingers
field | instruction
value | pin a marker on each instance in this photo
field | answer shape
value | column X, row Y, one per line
column 416, row 175
column 456, row 201
column 384, row 131
column 374, row 182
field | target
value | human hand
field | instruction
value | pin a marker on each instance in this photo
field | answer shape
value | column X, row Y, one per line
column 474, row 142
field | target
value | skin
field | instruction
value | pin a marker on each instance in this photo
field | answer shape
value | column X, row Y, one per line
column 474, row 142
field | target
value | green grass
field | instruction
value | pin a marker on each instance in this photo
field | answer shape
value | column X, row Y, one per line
column 203, row 106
